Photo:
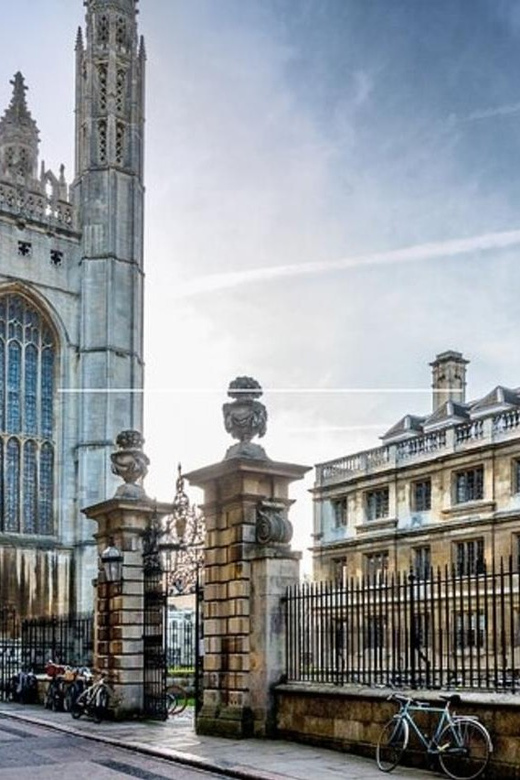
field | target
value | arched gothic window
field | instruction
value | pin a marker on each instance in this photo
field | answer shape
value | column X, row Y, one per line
column 27, row 381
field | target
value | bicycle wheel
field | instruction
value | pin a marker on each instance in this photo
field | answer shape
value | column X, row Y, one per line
column 48, row 698
column 176, row 700
column 392, row 744
column 464, row 748
column 100, row 705
column 77, row 709
column 71, row 696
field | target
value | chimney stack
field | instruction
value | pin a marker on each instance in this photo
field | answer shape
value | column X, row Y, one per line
column 448, row 378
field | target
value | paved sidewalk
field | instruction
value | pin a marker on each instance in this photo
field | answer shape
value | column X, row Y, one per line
column 250, row 759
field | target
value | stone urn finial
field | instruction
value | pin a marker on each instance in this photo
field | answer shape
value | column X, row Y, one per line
column 130, row 463
column 245, row 417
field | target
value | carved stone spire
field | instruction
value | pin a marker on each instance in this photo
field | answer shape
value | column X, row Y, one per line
column 19, row 137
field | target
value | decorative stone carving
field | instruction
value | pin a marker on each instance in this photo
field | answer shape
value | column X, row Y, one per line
column 130, row 463
column 244, row 418
column 272, row 525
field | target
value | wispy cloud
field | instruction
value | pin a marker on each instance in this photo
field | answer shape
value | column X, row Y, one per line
column 429, row 251
column 364, row 85
column 509, row 109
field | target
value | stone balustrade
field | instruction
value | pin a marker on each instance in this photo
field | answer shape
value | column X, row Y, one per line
column 488, row 430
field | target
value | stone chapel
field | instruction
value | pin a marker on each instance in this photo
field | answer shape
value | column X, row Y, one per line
column 71, row 310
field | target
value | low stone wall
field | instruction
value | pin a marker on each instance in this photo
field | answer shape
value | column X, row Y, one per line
column 350, row 719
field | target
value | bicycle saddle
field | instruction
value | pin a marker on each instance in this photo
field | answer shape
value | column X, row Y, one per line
column 452, row 698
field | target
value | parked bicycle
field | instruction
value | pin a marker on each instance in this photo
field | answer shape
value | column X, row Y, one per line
column 65, row 685
column 93, row 700
column 23, row 687
column 83, row 677
column 461, row 743
column 176, row 699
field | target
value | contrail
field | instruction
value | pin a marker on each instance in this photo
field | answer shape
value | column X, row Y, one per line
column 430, row 251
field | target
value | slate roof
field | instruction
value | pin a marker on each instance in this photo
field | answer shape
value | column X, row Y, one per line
column 500, row 399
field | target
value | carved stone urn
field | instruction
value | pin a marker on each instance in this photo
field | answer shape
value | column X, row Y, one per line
column 244, row 418
column 131, row 464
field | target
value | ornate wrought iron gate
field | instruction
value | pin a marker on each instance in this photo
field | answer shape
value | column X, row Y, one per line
column 154, row 640
column 172, row 563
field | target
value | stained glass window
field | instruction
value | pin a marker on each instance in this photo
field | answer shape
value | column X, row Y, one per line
column 31, row 383
column 46, row 488
column 14, row 375
column 27, row 383
column 2, row 508
column 29, row 487
column 47, row 391
column 12, row 485
column 2, row 384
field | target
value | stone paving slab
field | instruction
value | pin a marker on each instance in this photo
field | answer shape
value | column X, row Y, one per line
column 250, row 759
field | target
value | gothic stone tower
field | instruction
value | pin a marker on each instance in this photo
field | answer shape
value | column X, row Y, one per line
column 71, row 289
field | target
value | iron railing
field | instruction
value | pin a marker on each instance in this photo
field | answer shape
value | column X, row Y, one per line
column 63, row 639
column 10, row 648
column 436, row 630
column 181, row 651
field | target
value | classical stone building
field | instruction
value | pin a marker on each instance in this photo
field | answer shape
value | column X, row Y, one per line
column 442, row 489
column 71, row 288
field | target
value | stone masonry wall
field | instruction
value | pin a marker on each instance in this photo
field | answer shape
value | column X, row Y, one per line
column 351, row 720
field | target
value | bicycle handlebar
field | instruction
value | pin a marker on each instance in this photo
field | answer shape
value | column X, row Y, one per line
column 450, row 699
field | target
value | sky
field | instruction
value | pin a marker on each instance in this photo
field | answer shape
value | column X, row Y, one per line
column 333, row 198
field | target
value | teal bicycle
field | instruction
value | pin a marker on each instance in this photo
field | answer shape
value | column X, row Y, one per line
column 461, row 743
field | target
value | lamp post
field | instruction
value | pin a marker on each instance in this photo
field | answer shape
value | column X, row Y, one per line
column 112, row 562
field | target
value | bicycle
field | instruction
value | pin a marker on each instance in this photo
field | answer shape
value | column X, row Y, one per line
column 461, row 743
column 93, row 700
column 176, row 699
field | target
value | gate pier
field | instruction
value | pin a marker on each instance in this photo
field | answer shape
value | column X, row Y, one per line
column 248, row 566
column 119, row 606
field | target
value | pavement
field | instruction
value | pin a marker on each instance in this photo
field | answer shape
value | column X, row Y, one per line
column 250, row 759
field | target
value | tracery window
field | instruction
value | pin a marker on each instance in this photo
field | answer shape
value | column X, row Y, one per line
column 102, row 85
column 27, row 382
column 103, row 30
column 102, row 131
column 120, row 89
column 121, row 36
column 120, row 143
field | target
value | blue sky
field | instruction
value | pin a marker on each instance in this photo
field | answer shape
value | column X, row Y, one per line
column 310, row 134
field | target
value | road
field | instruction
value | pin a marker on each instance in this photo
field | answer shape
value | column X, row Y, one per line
column 29, row 752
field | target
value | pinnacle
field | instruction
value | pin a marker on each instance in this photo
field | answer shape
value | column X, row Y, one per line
column 79, row 39
column 18, row 102
column 17, row 113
